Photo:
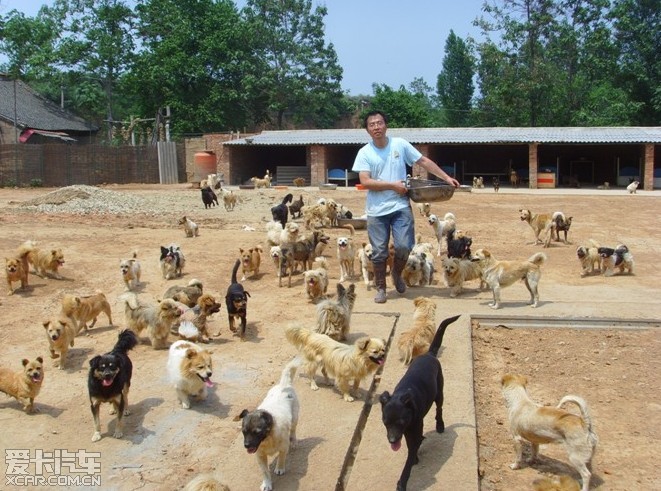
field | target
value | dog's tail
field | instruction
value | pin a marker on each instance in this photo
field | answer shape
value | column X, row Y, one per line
column 320, row 263
column 195, row 282
column 130, row 300
column 537, row 259
column 594, row 243
column 134, row 254
column 25, row 248
column 585, row 414
column 126, row 340
column 449, row 217
column 236, row 268
column 287, row 377
column 188, row 330
column 438, row 337
column 288, row 199
column 298, row 336
column 349, row 227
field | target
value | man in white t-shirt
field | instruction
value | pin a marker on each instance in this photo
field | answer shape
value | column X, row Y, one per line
column 382, row 167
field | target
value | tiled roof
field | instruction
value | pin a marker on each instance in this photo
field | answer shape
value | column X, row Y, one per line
column 35, row 111
column 620, row 134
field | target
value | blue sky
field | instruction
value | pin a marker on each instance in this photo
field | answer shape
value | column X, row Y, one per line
column 377, row 41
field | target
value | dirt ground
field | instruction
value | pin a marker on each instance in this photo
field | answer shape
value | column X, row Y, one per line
column 164, row 446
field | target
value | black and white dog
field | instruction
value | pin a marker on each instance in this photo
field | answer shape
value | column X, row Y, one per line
column 619, row 258
column 109, row 380
column 172, row 261
column 404, row 411
column 237, row 302
column 459, row 245
column 209, row 198
column 281, row 212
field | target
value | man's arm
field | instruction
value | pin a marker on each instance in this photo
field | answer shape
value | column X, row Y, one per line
column 431, row 167
column 376, row 185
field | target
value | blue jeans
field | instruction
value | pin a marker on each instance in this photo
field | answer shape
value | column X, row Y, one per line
column 402, row 225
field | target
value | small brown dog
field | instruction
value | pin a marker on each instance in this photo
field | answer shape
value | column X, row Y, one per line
column 188, row 295
column 250, row 261
column 539, row 222
column 541, row 425
column 416, row 340
column 588, row 256
column 130, row 269
column 190, row 227
column 23, row 386
column 316, row 280
column 82, row 309
column 44, row 262
column 299, row 182
column 16, row 270
column 61, row 332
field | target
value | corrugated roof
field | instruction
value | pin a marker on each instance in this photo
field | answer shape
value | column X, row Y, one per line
column 619, row 134
column 35, row 111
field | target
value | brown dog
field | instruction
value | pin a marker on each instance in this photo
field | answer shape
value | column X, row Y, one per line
column 157, row 319
column 82, row 309
column 539, row 222
column 416, row 340
column 61, row 331
column 43, row 261
column 23, row 386
column 16, row 269
column 541, row 425
column 250, row 261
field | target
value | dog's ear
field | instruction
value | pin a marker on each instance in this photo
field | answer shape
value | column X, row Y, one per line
column 246, row 294
column 46, row 324
column 340, row 289
column 362, row 343
column 40, row 359
column 164, row 250
column 242, row 415
column 25, row 361
column 190, row 353
column 352, row 288
column 384, row 398
column 94, row 362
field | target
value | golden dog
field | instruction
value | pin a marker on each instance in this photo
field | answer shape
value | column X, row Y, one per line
column 541, row 425
column 424, row 209
column 229, row 199
column 23, row 386
column 589, row 257
column 188, row 295
column 346, row 254
column 61, row 331
column 344, row 362
column 157, row 319
column 130, row 269
column 189, row 369
column 261, row 183
column 316, row 280
column 43, row 261
column 82, row 309
column 457, row 271
column 539, row 222
column 250, row 261
column 416, row 340
column 16, row 270
column 499, row 274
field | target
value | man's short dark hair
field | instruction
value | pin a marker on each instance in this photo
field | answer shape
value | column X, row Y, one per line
column 375, row 113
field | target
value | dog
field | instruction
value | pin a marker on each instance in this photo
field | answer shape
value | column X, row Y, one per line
column 514, row 179
column 193, row 325
column 250, row 261
column 561, row 483
column 84, row 308
column 189, row 369
column 109, row 380
column 541, row 425
column 419, row 269
column 188, row 295
column 619, row 258
column 205, row 482
column 500, row 274
column 346, row 254
column 16, row 269
column 44, row 262
column 365, row 261
column 478, row 182
column 321, row 214
column 302, row 251
column 316, row 280
column 299, row 182
column 24, row 386
column 539, row 222
column 633, row 187
column 442, row 227
column 345, row 362
column 213, row 181
column 172, row 261
column 416, row 341
column 334, row 316
column 261, row 183
column 209, row 198
column 459, row 244
column 495, row 183
column 280, row 212
column 190, row 227
column 424, row 209
column 296, row 207
column 236, row 301
column 229, row 199
column 589, row 257
column 157, row 319
column 605, row 185
column 457, row 271
column 561, row 223
column 61, row 332
column 404, row 411
column 271, row 428
column 130, row 269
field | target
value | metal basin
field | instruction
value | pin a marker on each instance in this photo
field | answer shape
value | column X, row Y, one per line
column 426, row 191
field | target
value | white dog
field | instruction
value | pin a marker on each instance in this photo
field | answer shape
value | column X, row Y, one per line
column 189, row 369
column 346, row 254
column 130, row 269
column 365, row 260
column 419, row 269
column 442, row 227
column 190, row 227
column 271, row 428
column 633, row 187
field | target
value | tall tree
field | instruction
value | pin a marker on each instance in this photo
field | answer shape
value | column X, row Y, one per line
column 299, row 77
column 405, row 109
column 455, row 82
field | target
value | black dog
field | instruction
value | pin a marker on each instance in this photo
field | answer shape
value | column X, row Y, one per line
column 296, row 207
column 209, row 198
column 458, row 246
column 109, row 380
column 280, row 212
column 404, row 411
column 237, row 301
column 496, row 183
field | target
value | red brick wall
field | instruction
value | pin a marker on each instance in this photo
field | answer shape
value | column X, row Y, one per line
column 532, row 164
column 648, row 167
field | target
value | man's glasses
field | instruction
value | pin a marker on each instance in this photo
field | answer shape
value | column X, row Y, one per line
column 376, row 124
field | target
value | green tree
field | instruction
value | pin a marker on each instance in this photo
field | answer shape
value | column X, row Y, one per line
column 455, row 82
column 405, row 109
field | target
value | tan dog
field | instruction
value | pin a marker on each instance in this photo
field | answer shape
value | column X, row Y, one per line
column 23, row 386
column 299, row 182
column 346, row 254
column 589, row 257
column 196, row 329
column 334, row 316
column 514, row 179
column 541, row 222
column 16, row 270
column 130, row 269
column 82, row 309
column 457, row 271
column 188, row 295
column 316, row 280
column 261, row 183
column 424, row 209
column 44, row 262
column 416, row 340
column 346, row 363
column 190, row 227
column 189, row 369
column 229, row 199
column 157, row 319
column 499, row 274
column 541, row 425
column 250, row 261
column 61, row 332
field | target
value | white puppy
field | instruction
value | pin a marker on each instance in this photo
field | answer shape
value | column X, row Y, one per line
column 365, row 260
column 189, row 369
column 633, row 187
column 419, row 269
column 346, row 254
column 442, row 227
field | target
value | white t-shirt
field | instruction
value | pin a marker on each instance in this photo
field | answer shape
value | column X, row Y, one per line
column 386, row 164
